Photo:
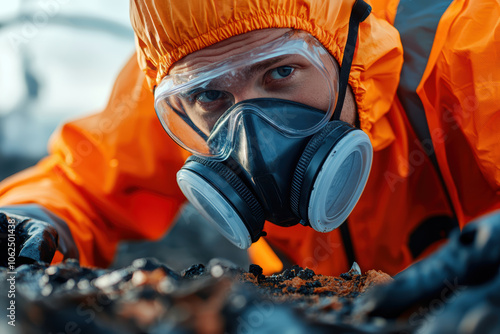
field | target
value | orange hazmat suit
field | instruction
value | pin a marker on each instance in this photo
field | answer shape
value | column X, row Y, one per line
column 427, row 88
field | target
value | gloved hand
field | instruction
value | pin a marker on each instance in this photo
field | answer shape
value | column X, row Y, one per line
column 472, row 310
column 470, row 259
column 35, row 240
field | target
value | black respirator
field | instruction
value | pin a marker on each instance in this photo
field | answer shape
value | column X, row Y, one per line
column 276, row 158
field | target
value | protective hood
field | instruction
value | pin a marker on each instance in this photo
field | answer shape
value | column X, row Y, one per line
column 167, row 30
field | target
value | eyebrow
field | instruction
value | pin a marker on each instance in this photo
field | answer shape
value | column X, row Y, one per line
column 215, row 83
column 260, row 66
column 265, row 64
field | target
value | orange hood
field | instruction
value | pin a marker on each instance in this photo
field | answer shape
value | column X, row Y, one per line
column 167, row 30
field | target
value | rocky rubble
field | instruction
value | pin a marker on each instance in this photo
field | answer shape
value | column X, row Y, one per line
column 148, row 297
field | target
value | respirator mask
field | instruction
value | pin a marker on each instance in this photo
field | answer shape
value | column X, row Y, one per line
column 280, row 156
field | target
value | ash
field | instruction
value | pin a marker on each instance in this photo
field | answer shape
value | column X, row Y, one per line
column 220, row 297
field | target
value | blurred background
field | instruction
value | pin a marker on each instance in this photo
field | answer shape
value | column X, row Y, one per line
column 58, row 61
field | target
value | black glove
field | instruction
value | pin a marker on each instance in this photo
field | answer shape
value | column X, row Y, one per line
column 35, row 240
column 470, row 258
column 471, row 310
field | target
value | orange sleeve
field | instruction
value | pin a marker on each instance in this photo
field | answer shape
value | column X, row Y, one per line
column 109, row 176
column 460, row 91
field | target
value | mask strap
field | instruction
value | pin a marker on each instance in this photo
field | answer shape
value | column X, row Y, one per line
column 190, row 123
column 360, row 12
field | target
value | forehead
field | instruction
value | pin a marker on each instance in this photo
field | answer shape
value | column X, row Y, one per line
column 227, row 48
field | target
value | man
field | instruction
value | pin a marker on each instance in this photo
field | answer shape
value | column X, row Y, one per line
column 264, row 95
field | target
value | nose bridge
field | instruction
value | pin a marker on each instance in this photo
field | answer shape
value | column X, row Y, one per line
column 247, row 87
column 247, row 92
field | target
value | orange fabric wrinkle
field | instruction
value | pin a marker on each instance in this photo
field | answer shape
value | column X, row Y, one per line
column 111, row 175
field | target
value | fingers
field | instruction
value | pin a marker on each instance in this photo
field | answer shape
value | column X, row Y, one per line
column 474, row 309
column 40, row 242
column 25, row 240
column 8, row 240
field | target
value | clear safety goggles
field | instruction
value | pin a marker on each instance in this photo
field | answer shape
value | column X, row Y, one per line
column 202, row 109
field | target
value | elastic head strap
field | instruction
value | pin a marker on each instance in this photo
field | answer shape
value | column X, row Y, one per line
column 360, row 12
column 188, row 121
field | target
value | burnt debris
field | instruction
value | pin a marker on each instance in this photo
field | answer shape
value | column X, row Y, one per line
column 148, row 297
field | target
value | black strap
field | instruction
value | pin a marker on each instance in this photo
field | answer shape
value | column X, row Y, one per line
column 429, row 231
column 360, row 12
column 188, row 120
column 347, row 241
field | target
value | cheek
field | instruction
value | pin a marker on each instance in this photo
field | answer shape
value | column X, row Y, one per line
column 315, row 92
column 204, row 123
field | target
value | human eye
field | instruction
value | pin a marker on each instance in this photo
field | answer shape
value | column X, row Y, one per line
column 280, row 72
column 208, row 96
column 210, row 100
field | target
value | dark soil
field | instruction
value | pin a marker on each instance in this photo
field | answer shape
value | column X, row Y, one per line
column 148, row 297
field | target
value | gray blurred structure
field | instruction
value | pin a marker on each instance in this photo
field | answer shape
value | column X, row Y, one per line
column 58, row 60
